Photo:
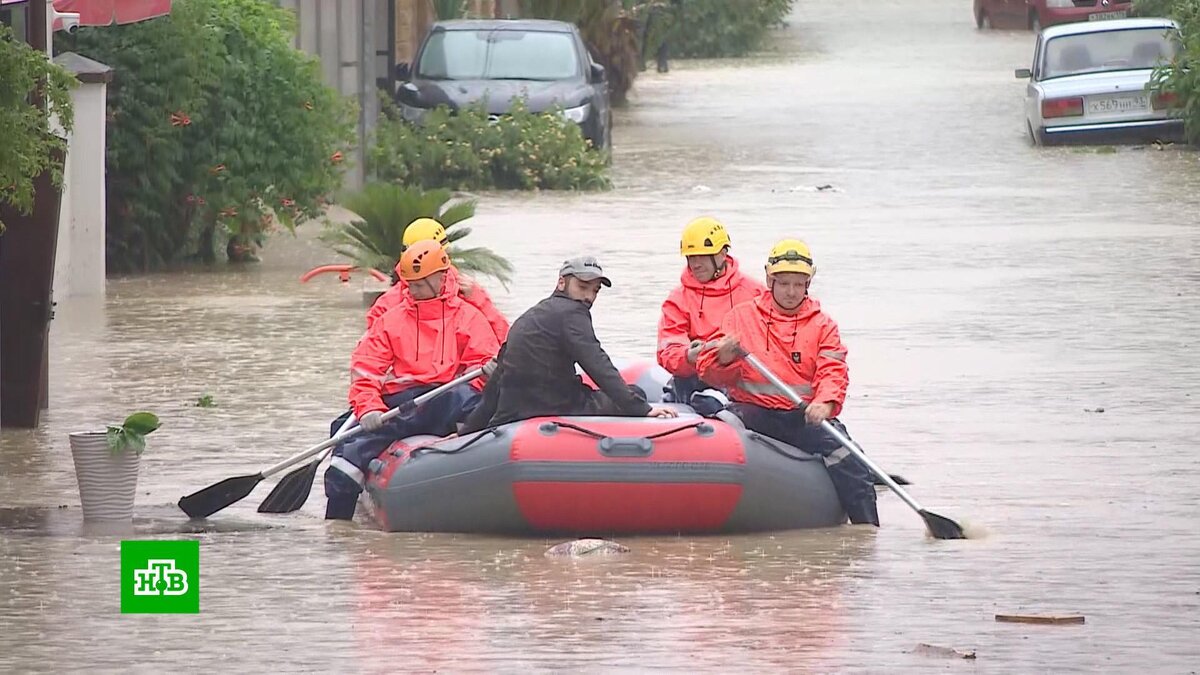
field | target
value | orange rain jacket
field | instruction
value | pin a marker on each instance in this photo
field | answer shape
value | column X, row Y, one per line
column 419, row 342
column 469, row 290
column 804, row 350
column 693, row 311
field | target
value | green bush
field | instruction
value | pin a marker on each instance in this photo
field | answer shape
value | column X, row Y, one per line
column 219, row 129
column 466, row 151
column 1180, row 77
column 719, row 28
column 1153, row 7
column 27, row 145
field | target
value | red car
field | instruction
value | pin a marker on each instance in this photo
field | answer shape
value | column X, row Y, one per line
column 1034, row 14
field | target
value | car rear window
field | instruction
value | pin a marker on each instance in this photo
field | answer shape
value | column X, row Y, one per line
column 1110, row 50
column 498, row 55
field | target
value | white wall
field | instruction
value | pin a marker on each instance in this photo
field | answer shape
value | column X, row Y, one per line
column 79, row 268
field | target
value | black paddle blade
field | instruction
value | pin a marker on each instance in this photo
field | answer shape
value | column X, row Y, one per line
column 292, row 491
column 942, row 527
column 900, row 480
column 213, row 498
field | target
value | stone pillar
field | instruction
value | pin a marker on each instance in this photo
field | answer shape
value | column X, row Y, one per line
column 79, row 263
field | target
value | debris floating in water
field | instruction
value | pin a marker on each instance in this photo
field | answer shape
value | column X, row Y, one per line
column 816, row 188
column 1032, row 618
column 1093, row 410
column 586, row 547
column 945, row 652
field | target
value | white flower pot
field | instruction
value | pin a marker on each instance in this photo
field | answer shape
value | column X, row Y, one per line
column 107, row 481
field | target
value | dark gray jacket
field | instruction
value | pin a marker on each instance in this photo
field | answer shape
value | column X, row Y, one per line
column 536, row 374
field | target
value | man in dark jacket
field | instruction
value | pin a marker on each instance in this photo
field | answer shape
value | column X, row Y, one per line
column 535, row 370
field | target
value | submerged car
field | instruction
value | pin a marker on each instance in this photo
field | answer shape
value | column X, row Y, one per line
column 492, row 62
column 1037, row 14
column 1091, row 81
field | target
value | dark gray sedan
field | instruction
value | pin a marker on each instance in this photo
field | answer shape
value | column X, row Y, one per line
column 545, row 63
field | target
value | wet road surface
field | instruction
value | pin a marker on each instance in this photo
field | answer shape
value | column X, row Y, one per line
column 990, row 294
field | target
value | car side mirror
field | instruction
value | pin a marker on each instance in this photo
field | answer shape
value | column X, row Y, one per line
column 402, row 72
column 598, row 74
column 408, row 94
column 1023, row 73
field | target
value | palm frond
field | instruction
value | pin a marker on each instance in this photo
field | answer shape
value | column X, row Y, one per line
column 458, row 233
column 482, row 260
column 458, row 212
column 384, row 210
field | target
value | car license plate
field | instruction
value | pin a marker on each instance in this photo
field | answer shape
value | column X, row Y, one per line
column 1107, row 15
column 1118, row 104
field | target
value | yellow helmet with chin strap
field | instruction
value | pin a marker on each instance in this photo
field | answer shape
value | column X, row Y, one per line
column 423, row 229
column 790, row 255
column 703, row 236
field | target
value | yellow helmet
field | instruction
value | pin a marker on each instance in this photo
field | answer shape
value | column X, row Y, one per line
column 703, row 236
column 790, row 255
column 422, row 229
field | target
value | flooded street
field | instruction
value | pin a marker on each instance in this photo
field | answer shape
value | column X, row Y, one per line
column 991, row 295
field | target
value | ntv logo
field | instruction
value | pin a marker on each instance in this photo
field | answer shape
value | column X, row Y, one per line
column 160, row 577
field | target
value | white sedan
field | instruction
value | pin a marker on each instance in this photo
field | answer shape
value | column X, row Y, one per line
column 1089, row 80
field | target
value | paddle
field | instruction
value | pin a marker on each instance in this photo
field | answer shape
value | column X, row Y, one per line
column 939, row 526
column 292, row 490
column 205, row 502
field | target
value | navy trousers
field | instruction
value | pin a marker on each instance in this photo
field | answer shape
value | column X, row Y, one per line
column 854, row 482
column 345, row 477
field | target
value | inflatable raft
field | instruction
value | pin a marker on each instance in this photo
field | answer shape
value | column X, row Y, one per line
column 602, row 475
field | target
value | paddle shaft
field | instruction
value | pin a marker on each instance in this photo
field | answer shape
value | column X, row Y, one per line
column 387, row 416
column 833, row 431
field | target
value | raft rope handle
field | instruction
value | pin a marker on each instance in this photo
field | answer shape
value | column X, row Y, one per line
column 426, row 449
column 600, row 436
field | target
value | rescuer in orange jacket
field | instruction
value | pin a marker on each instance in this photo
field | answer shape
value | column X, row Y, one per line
column 709, row 287
column 425, row 229
column 431, row 337
column 788, row 332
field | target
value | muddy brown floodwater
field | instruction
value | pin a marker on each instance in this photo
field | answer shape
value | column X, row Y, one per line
column 990, row 294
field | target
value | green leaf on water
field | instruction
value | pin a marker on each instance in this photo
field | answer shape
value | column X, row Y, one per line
column 141, row 423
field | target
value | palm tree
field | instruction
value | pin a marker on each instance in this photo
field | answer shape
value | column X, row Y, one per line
column 385, row 210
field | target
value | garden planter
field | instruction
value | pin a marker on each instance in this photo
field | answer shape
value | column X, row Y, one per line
column 107, row 480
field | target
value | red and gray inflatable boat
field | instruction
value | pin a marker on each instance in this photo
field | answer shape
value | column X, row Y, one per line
column 603, row 475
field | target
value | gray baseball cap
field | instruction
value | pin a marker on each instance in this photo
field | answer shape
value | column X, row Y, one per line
column 586, row 268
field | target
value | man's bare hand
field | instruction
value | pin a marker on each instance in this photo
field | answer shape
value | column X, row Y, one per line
column 656, row 411
column 728, row 350
column 818, row 412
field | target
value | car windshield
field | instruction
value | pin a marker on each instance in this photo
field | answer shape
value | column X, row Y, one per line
column 1107, row 51
column 498, row 55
